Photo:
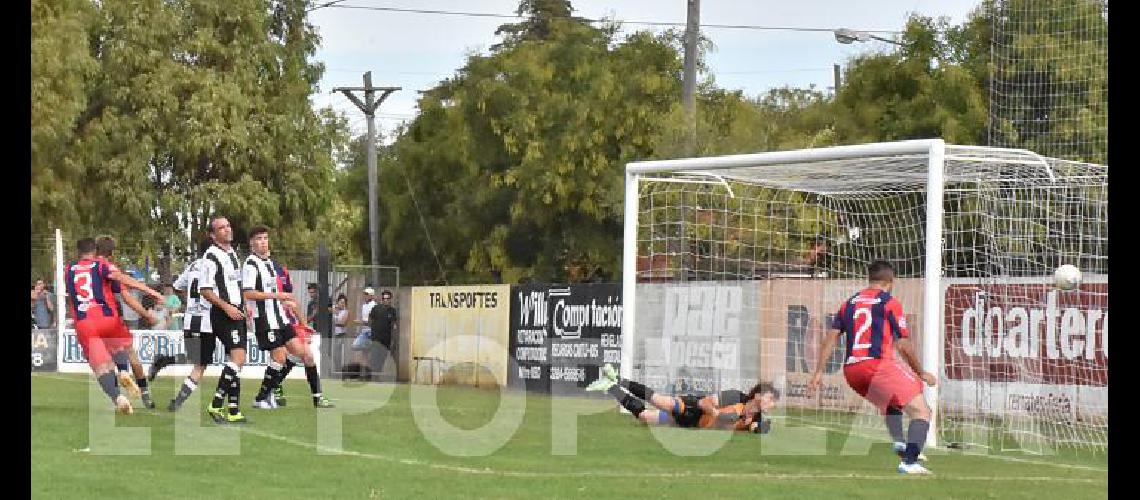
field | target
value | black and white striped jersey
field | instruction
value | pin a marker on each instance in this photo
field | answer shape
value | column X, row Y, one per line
column 197, row 315
column 221, row 272
column 260, row 275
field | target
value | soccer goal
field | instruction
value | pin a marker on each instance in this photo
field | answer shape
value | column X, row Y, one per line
column 734, row 266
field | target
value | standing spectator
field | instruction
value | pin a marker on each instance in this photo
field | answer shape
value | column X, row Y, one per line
column 311, row 307
column 42, row 308
column 173, row 306
column 365, row 310
column 129, row 315
column 340, row 316
column 384, row 321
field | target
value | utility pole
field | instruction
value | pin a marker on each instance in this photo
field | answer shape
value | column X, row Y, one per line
column 368, row 107
column 689, row 84
column 689, row 101
column 838, row 75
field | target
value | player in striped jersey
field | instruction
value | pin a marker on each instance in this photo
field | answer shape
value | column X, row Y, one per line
column 220, row 285
column 271, row 321
column 199, row 342
column 874, row 324
column 729, row 410
column 303, row 332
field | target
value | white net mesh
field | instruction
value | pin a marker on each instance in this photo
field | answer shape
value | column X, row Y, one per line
column 1049, row 91
column 739, row 270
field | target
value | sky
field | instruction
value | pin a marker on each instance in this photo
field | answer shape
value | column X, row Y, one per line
column 416, row 51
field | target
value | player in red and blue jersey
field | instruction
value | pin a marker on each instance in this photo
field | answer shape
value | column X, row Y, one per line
column 91, row 284
column 138, row 387
column 874, row 325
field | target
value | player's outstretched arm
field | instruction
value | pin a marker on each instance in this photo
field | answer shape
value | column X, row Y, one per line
column 133, row 303
column 131, row 282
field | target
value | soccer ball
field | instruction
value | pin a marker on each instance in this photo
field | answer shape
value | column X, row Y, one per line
column 1067, row 277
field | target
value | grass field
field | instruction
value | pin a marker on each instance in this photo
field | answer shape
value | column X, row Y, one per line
column 284, row 453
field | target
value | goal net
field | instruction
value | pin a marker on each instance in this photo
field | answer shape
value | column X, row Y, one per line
column 735, row 265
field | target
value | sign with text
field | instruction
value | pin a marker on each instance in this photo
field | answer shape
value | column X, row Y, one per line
column 562, row 334
column 44, row 350
column 463, row 331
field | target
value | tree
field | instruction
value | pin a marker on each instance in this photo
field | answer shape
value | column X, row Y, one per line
column 524, row 149
column 62, row 64
column 195, row 108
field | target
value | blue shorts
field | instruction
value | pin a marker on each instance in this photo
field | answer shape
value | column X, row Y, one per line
column 362, row 342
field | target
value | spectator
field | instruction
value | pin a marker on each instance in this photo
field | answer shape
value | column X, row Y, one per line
column 42, row 308
column 384, row 321
column 173, row 306
column 129, row 315
column 311, row 307
column 365, row 310
column 340, row 316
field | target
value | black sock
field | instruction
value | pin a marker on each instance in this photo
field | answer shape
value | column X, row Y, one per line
column 229, row 374
column 894, row 424
column 188, row 387
column 637, row 389
column 289, row 364
column 916, row 437
column 314, row 381
column 627, row 401
column 143, row 385
column 110, row 385
column 235, row 393
column 269, row 382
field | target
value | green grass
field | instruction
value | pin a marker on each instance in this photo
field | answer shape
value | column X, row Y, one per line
column 386, row 455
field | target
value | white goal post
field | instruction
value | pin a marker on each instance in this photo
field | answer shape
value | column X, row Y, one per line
column 731, row 264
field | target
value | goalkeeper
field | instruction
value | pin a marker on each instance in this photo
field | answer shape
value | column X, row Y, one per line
column 730, row 410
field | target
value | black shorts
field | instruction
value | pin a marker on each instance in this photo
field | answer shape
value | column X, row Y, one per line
column 199, row 347
column 268, row 340
column 231, row 333
column 687, row 412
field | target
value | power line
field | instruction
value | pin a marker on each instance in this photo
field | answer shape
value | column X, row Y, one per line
column 645, row 23
column 326, row 4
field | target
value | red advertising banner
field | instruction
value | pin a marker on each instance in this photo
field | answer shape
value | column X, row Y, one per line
column 1027, row 333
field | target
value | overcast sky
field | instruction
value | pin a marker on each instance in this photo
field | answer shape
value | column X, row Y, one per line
column 416, row 51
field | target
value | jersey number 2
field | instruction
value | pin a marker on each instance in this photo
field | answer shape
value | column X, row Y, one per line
column 861, row 341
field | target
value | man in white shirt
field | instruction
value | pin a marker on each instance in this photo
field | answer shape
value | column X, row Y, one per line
column 362, row 321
